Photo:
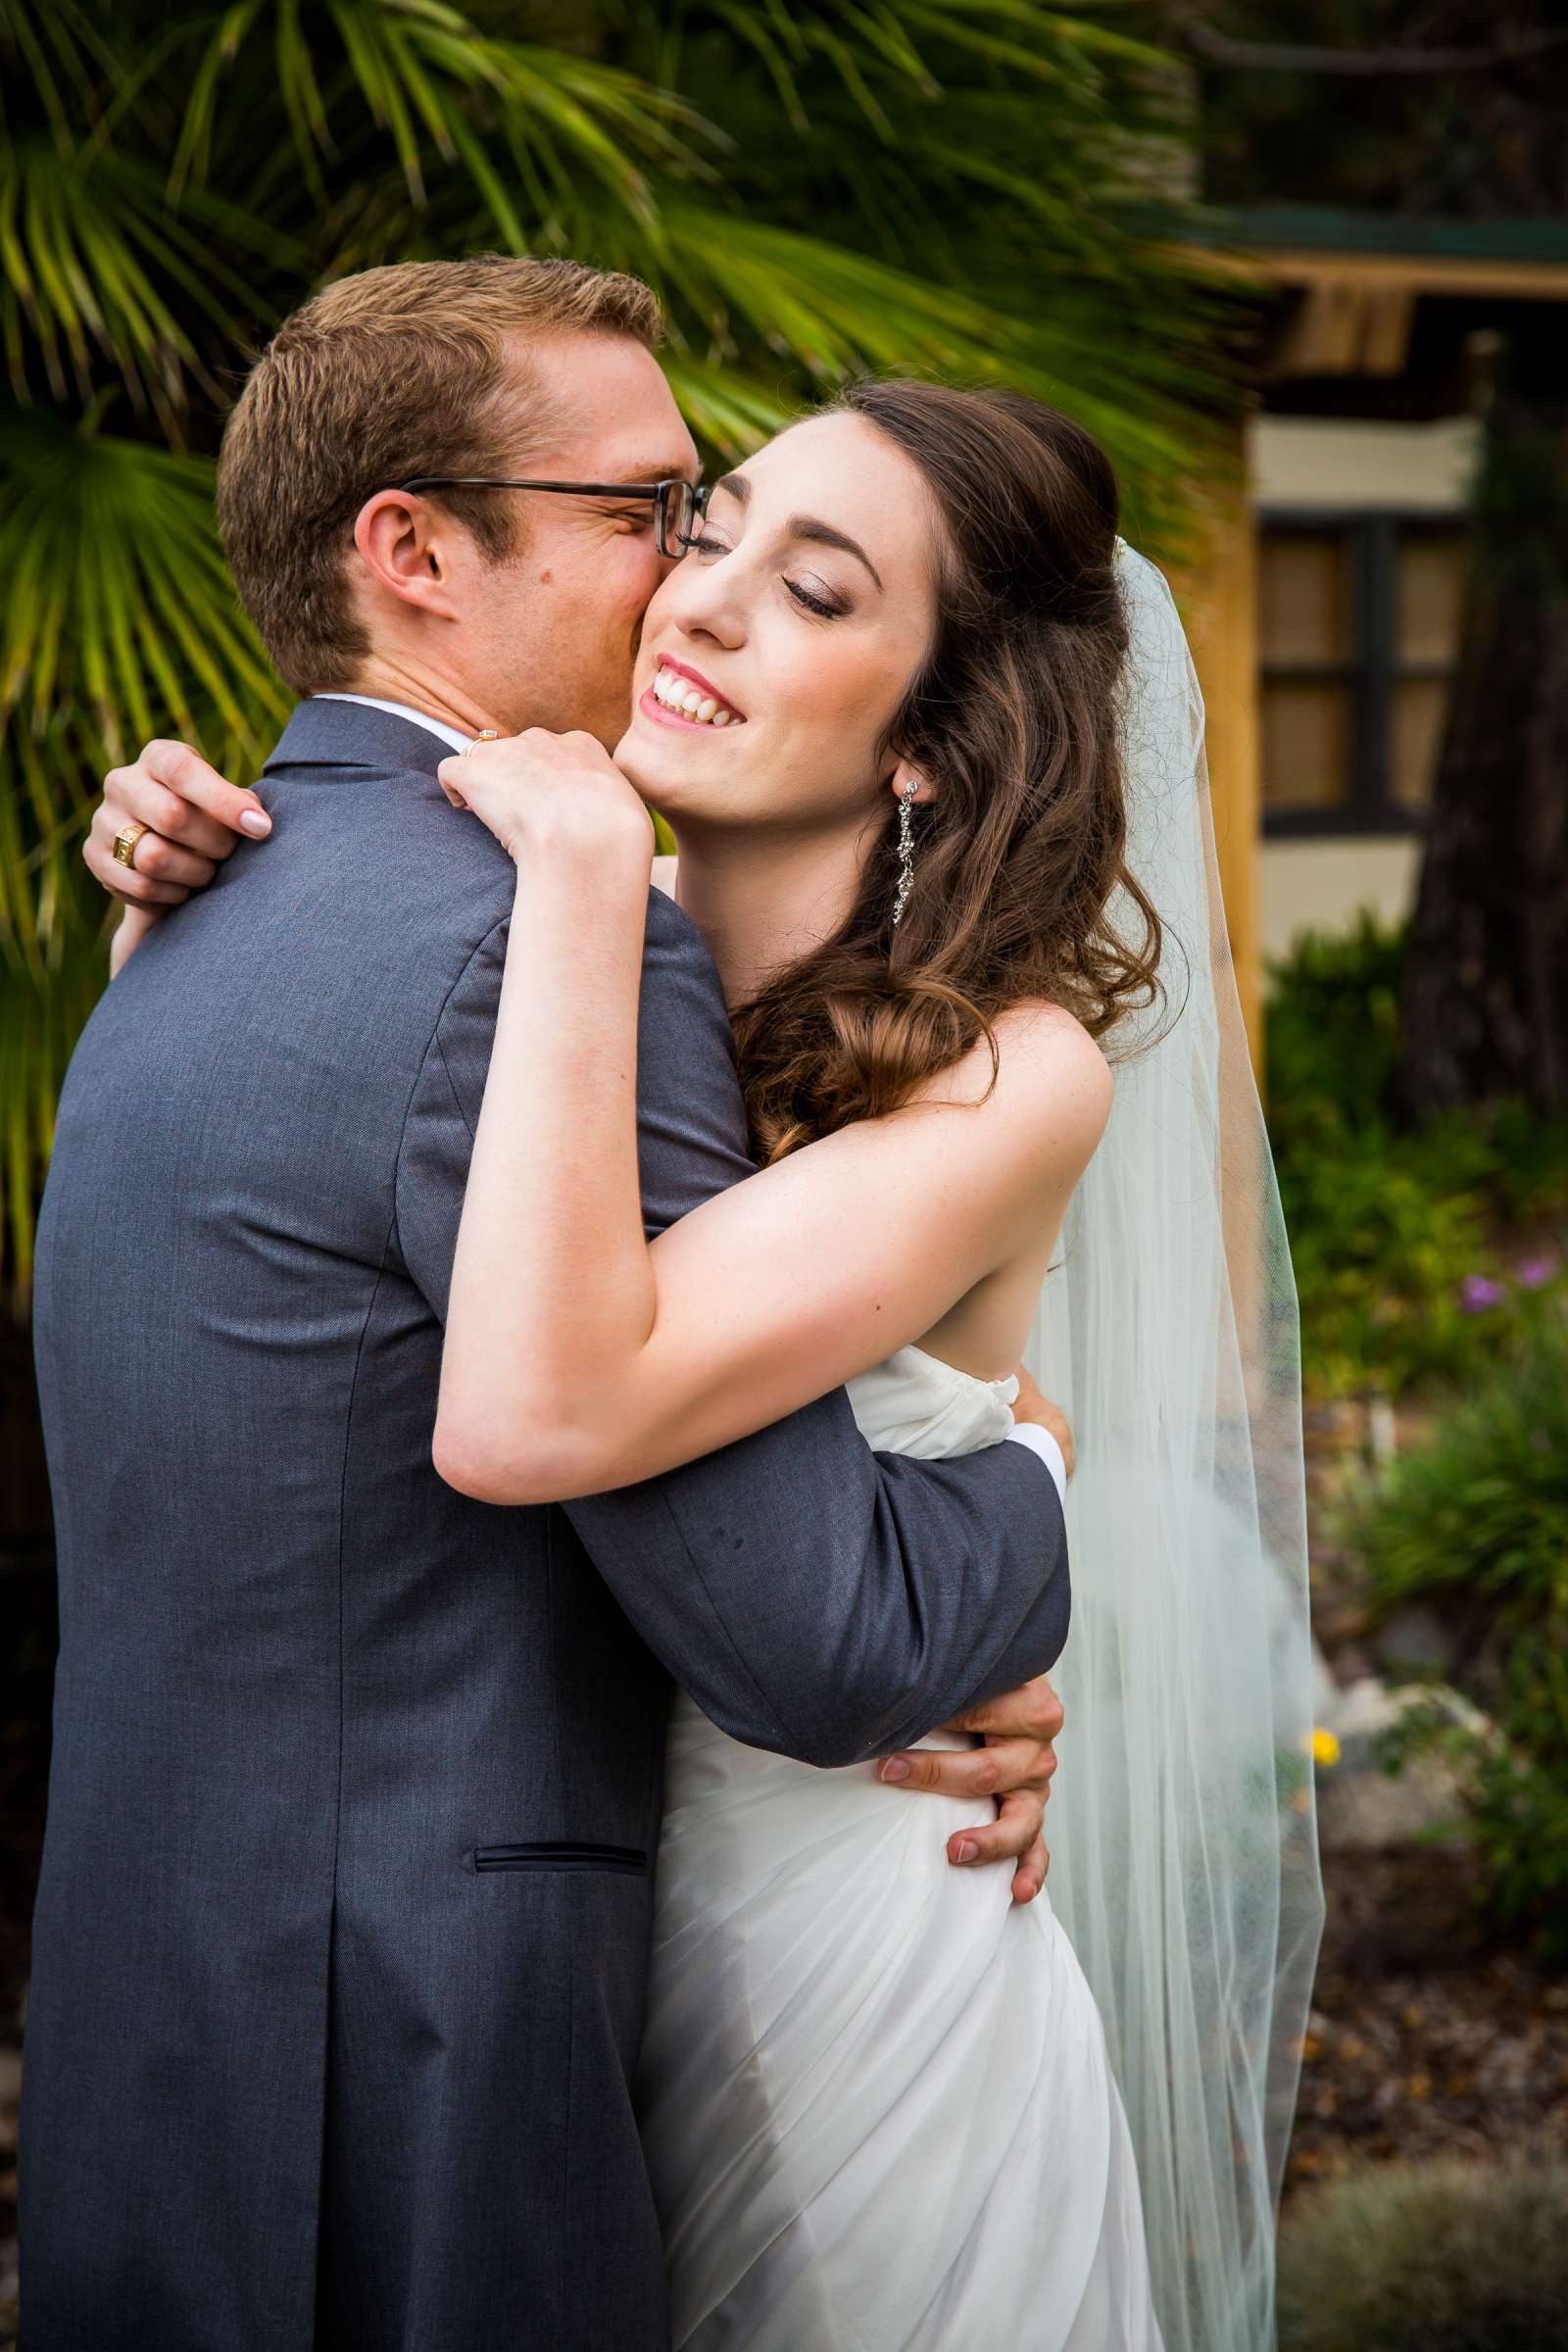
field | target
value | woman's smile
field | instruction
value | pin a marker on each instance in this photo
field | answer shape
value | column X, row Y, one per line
column 680, row 695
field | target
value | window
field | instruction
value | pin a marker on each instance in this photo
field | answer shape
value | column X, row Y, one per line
column 1360, row 625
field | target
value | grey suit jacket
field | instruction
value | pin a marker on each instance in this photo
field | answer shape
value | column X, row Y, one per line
column 342, row 1930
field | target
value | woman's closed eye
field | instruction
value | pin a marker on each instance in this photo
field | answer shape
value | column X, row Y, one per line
column 816, row 602
column 818, row 599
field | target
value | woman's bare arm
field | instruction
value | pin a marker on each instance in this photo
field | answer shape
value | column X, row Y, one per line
column 580, row 1357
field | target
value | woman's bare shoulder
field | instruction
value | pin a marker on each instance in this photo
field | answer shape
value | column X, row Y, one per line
column 664, row 876
column 1046, row 1062
column 1053, row 1086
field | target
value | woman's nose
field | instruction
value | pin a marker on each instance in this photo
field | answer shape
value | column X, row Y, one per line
column 706, row 605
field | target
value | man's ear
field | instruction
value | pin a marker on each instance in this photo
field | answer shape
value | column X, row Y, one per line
column 406, row 546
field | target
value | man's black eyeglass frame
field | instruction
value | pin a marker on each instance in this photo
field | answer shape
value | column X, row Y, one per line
column 678, row 505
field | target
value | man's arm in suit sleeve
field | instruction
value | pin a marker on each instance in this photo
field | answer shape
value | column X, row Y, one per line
column 814, row 1597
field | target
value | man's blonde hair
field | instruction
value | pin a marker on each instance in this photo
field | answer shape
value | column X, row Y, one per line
column 385, row 376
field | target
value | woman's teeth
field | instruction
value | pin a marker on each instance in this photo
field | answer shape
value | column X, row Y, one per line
column 680, row 694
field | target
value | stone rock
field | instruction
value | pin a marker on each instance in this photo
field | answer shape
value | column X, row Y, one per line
column 1359, row 1802
column 1415, row 1640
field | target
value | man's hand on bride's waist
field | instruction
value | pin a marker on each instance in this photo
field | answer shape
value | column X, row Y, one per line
column 1030, row 1405
column 1013, row 1765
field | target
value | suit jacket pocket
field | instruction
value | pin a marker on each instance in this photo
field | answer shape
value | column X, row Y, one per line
column 563, row 1854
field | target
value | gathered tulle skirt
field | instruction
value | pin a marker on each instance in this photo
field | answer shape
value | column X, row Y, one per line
column 876, row 2099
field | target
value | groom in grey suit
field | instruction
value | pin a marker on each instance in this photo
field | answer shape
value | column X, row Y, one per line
column 343, row 1925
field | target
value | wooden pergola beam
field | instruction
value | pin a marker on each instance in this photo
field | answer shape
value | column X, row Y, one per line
column 1217, row 593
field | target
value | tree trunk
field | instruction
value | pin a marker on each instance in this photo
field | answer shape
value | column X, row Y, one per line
column 1486, row 1003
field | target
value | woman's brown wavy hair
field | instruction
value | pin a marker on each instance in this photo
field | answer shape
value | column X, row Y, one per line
column 1012, row 719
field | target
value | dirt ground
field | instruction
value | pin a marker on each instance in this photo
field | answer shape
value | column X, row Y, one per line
column 1428, row 2037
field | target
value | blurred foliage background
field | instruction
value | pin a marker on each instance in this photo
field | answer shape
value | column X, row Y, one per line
column 950, row 186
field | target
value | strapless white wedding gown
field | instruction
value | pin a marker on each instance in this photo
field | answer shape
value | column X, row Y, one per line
column 876, row 2100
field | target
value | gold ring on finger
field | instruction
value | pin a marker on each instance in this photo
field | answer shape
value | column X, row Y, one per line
column 125, row 840
column 485, row 735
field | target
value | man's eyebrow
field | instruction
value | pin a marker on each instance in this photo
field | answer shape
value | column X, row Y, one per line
column 664, row 470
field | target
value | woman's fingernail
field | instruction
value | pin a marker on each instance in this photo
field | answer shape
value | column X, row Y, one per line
column 256, row 822
column 967, row 1849
column 896, row 1769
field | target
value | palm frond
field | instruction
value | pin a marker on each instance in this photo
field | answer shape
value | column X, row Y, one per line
column 51, row 50
column 95, row 266
column 737, row 288
column 874, row 48
column 41, row 1017
column 428, row 80
column 731, row 412
column 119, row 622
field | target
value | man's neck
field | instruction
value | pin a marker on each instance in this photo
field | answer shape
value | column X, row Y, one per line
column 389, row 681
column 763, row 899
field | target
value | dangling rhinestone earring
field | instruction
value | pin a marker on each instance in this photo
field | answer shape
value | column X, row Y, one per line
column 905, row 851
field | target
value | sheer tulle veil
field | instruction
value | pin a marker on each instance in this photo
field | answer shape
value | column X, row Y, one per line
column 1183, row 1836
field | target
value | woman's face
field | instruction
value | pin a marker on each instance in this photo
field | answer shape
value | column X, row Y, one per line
column 803, row 612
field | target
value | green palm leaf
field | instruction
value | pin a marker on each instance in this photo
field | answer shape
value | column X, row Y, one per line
column 51, row 49
column 40, row 1021
column 92, row 265
column 738, row 287
column 429, row 79
column 119, row 622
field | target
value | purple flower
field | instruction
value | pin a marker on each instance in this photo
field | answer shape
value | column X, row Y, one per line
column 1535, row 1271
column 1478, row 1292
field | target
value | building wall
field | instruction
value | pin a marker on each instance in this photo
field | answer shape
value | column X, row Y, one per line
column 1320, row 885
column 1339, row 464
column 1335, row 462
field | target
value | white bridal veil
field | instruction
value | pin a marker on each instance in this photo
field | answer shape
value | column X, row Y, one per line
column 1184, row 1847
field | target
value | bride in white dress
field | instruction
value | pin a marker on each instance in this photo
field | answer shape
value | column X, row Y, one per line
column 879, row 2111
column 886, row 705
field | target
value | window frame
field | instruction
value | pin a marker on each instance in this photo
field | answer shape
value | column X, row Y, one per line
column 1371, row 670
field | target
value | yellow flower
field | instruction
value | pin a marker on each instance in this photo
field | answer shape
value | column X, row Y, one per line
column 1325, row 1747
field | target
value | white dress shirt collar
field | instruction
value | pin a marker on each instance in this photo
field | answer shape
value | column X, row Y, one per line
column 452, row 736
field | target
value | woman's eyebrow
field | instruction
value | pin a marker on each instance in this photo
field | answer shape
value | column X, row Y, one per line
column 804, row 527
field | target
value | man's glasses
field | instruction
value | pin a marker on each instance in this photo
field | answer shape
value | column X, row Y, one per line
column 678, row 505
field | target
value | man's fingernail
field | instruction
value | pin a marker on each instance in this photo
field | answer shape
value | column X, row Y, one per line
column 967, row 1849
column 896, row 1769
column 256, row 822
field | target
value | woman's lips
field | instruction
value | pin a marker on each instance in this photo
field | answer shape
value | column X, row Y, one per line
column 695, row 677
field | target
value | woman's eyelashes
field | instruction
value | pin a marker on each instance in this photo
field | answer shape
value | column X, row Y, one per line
column 818, row 600
column 814, row 604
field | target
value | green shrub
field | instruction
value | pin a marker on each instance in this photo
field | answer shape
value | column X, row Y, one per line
column 1391, row 1229
column 1445, row 2257
column 1474, row 1521
column 1333, row 1037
